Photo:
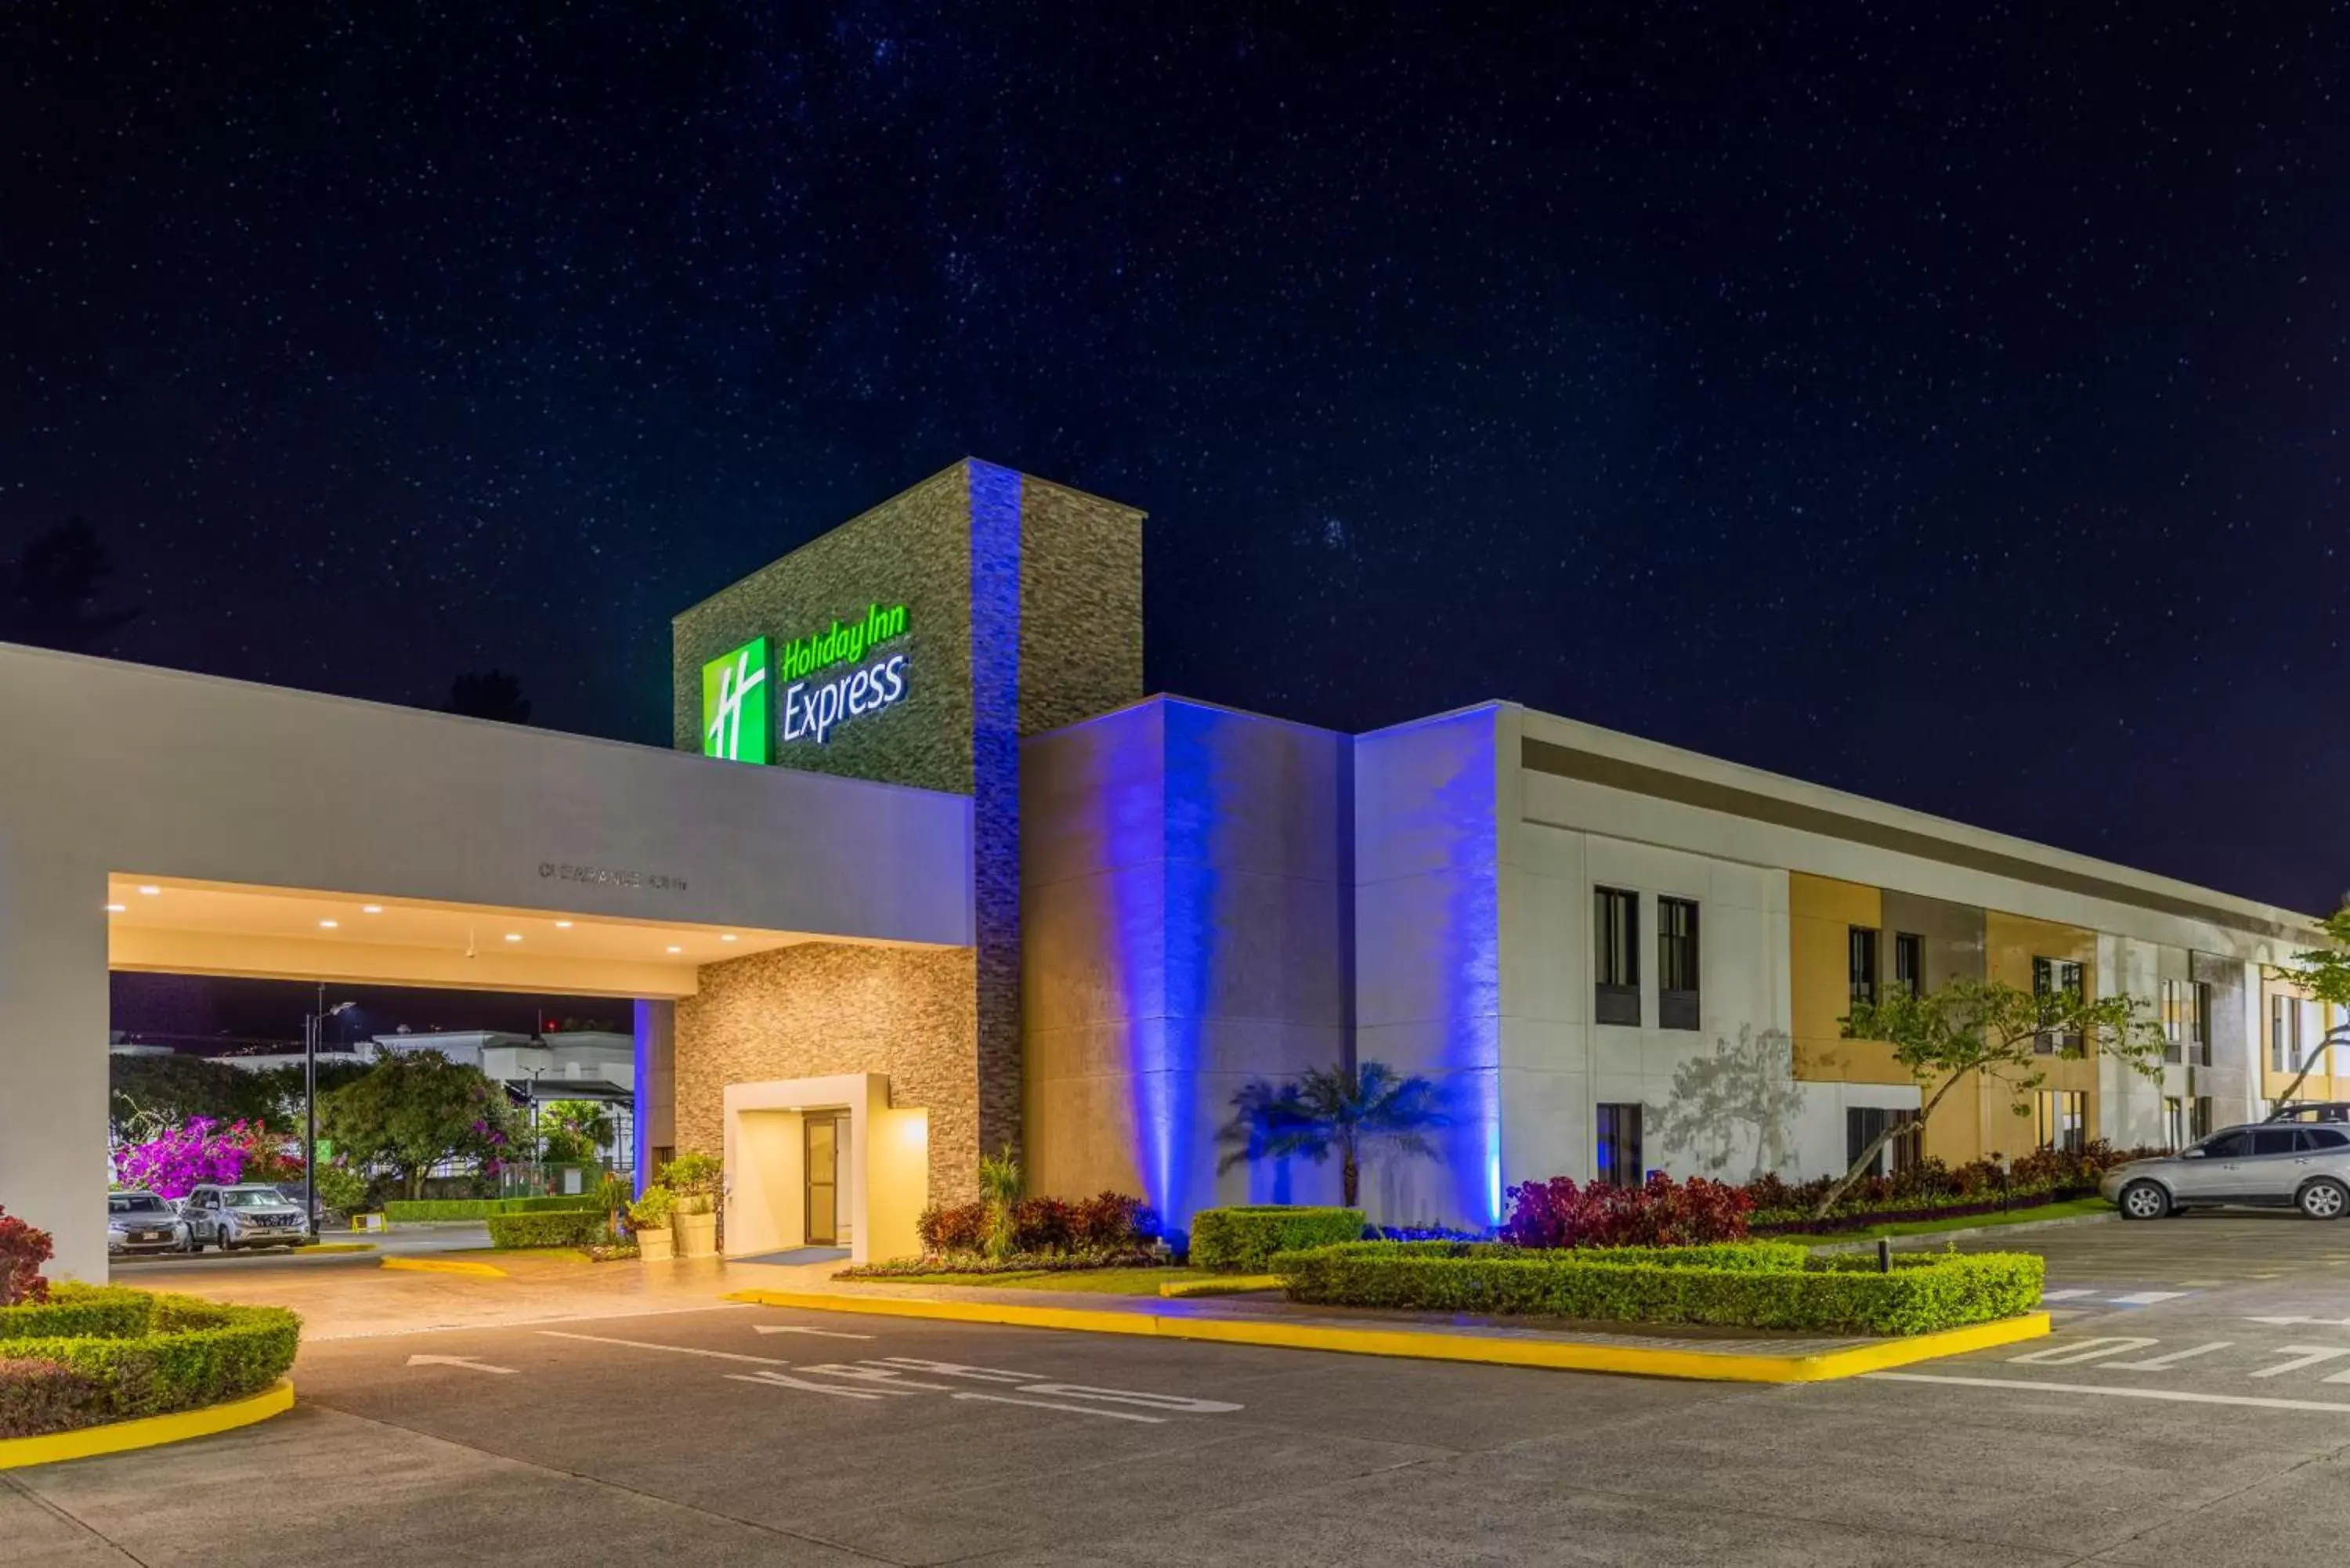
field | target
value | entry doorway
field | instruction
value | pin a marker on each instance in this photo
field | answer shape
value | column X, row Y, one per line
column 826, row 1132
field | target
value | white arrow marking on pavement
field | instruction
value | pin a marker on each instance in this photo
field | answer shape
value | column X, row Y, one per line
column 2165, row 1362
column 781, row 1380
column 2302, row 1356
column 2292, row 1321
column 794, row 1328
column 459, row 1361
column 2067, row 1295
column 2085, row 1350
column 672, row 1349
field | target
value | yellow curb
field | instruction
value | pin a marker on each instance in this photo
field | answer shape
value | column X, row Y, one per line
column 334, row 1247
column 1562, row 1355
column 446, row 1266
column 147, row 1431
column 1233, row 1285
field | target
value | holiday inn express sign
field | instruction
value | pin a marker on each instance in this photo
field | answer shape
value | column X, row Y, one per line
column 735, row 686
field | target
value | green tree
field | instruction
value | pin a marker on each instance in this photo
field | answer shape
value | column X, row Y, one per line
column 413, row 1111
column 2324, row 973
column 171, row 1090
column 1351, row 1112
column 573, row 1132
column 1975, row 1030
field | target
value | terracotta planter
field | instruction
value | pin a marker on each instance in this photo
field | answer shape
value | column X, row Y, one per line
column 697, row 1235
column 653, row 1246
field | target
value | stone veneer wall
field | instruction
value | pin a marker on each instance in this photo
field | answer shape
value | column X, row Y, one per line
column 821, row 1008
column 915, row 549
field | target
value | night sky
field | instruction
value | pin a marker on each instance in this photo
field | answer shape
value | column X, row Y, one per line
column 1942, row 403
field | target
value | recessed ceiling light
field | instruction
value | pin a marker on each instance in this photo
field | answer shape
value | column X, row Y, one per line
column 115, row 908
column 562, row 925
column 329, row 925
column 150, row 890
column 675, row 949
column 727, row 937
column 370, row 908
column 514, row 936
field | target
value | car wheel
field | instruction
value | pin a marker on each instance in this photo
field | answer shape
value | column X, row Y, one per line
column 2323, row 1199
column 2144, row 1200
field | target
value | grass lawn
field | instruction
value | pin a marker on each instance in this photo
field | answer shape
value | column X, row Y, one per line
column 1100, row 1282
column 2064, row 1211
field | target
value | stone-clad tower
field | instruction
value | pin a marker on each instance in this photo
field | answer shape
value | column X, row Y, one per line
column 1024, row 613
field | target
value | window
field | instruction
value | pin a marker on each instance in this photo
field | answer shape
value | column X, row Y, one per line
column 2273, row 1140
column 2056, row 977
column 2198, row 1040
column 2063, row 1119
column 1861, row 1126
column 1618, row 1163
column 1616, row 955
column 2323, row 1141
column 1676, row 963
column 2199, row 1124
column 2229, row 1145
column 1861, row 963
column 2284, row 1034
column 1910, row 963
column 2174, row 1023
column 2174, row 1122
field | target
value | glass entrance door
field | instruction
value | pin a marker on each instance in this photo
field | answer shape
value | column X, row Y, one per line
column 823, row 1180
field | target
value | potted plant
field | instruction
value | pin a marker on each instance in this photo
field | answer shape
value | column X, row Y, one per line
column 696, row 1179
column 649, row 1221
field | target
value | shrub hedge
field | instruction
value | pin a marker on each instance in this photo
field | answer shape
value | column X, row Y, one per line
column 418, row 1210
column 1244, row 1238
column 1754, row 1285
column 556, row 1228
column 148, row 1355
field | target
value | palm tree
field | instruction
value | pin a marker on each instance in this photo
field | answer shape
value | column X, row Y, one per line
column 1354, row 1110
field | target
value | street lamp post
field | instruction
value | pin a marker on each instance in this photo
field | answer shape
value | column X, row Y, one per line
column 315, row 1026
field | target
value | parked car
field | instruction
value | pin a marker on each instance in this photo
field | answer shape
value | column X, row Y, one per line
column 139, row 1221
column 2276, row 1165
column 292, row 1192
column 246, row 1215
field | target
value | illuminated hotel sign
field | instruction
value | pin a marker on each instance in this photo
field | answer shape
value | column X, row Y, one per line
column 812, row 706
column 735, row 704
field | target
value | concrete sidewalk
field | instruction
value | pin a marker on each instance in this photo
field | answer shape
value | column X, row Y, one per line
column 1655, row 1350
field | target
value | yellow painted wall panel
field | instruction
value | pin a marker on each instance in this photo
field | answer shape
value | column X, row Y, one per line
column 1821, row 912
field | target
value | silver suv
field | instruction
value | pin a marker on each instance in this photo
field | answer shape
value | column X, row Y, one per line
column 248, row 1215
column 2272, row 1165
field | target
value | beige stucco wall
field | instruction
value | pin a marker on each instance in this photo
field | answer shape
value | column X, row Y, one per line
column 827, row 1008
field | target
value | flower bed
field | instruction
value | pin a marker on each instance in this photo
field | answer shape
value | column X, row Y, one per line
column 1766, row 1285
column 92, row 1354
column 1932, row 1189
column 977, row 1265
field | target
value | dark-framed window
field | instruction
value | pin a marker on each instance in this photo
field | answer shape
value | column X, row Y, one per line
column 1860, row 963
column 2063, row 1119
column 2199, row 1123
column 2200, row 1041
column 2284, row 1034
column 1677, row 1000
column 2174, row 1024
column 1617, row 1159
column 2053, row 977
column 1910, row 963
column 2174, row 1122
column 1864, row 1124
column 1616, row 955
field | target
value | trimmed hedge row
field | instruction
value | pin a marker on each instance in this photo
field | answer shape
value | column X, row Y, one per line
column 80, row 1312
column 1755, row 1285
column 1244, row 1237
column 557, row 1228
column 182, row 1354
column 418, row 1210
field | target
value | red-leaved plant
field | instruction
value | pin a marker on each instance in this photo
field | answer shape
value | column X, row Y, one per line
column 23, row 1250
column 1663, row 1213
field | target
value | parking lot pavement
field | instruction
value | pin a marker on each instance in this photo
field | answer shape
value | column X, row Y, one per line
column 2201, row 1428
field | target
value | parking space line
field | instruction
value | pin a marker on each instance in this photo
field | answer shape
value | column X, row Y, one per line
column 2175, row 1395
column 2147, row 1298
column 2165, row 1362
column 2085, row 1350
column 1051, row 1405
column 672, row 1349
column 2302, row 1356
column 2075, row 1294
